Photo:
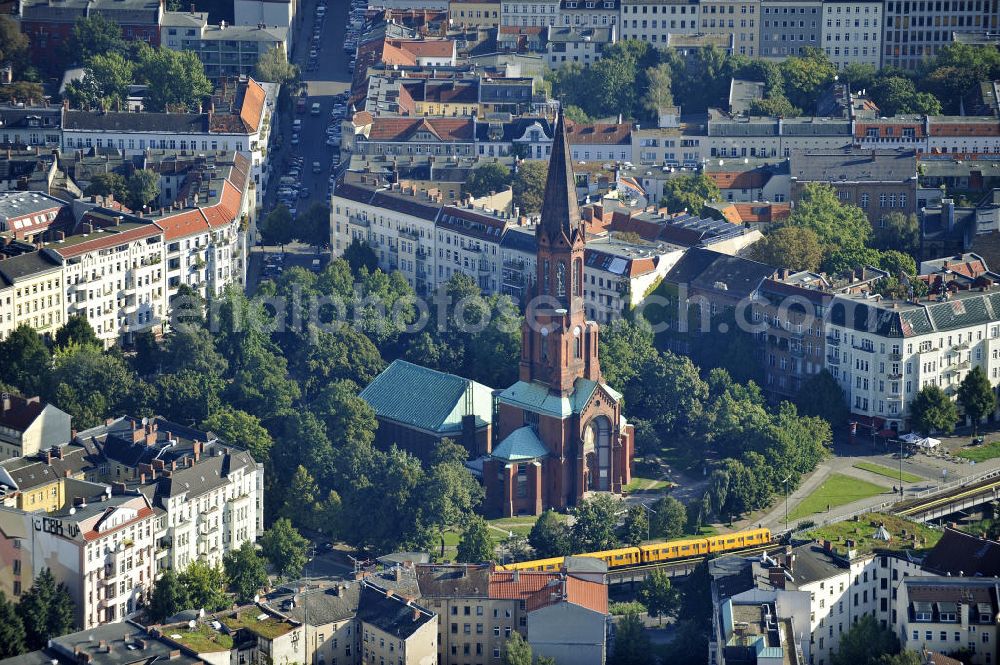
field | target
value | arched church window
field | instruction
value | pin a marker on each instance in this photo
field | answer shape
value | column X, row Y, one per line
column 561, row 279
column 577, row 343
column 545, row 278
column 578, row 278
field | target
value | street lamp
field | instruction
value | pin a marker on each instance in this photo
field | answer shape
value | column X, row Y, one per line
column 901, row 467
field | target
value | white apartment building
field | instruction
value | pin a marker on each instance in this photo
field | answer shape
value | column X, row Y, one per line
column 537, row 13
column 652, row 20
column 592, row 13
column 617, row 275
column 915, row 30
column 245, row 130
column 31, row 293
column 851, row 32
column 772, row 137
column 884, row 351
column 739, row 18
column 100, row 546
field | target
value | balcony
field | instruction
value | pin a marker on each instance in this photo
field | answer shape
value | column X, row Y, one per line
column 866, row 349
column 895, row 377
column 833, row 341
column 832, row 359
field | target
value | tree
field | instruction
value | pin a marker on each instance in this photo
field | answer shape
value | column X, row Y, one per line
column 359, row 255
column 516, row 650
column 689, row 192
column 168, row 598
column 659, row 597
column 632, row 645
column 26, row 360
column 240, row 428
column 865, row 642
column 285, row 548
column 476, row 543
column 94, row 35
column 107, row 184
column 903, row 658
column 176, row 79
column 793, row 247
column 777, row 105
column 636, row 526
column 838, row 226
column 245, row 571
column 77, row 330
column 805, row 75
column 105, row 83
column 276, row 227
column 976, row 396
column 659, row 95
column 822, row 396
column 594, row 528
column 529, row 186
column 899, row 232
column 932, row 411
column 88, row 384
column 273, row 67
column 549, row 536
column 452, row 492
column 669, row 518
column 487, row 178
column 12, row 634
column 13, row 44
column 205, row 585
column 142, row 186
column 313, row 226
column 46, row 610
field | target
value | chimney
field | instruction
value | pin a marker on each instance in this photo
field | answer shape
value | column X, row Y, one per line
column 137, row 433
column 197, row 447
column 948, row 211
column 6, row 402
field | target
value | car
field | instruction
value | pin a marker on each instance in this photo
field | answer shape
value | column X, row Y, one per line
column 313, row 54
column 297, row 124
column 317, row 167
column 314, row 109
column 303, row 193
column 295, row 139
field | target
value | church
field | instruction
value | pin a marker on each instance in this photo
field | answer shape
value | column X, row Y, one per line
column 558, row 433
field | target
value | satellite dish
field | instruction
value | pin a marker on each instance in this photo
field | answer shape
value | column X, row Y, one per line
column 201, row 612
column 192, row 624
column 145, row 421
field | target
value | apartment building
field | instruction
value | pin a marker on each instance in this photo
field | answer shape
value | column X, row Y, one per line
column 29, row 426
column 652, row 20
column 618, row 275
column 27, row 215
column 771, row 137
column 851, row 32
column 593, row 13
column 540, row 13
column 208, row 495
column 880, row 182
column 477, row 13
column 789, row 27
column 31, row 291
column 226, row 51
column 915, row 30
column 440, row 137
column 30, row 125
column 884, row 351
column 739, row 19
column 43, row 483
column 99, row 544
column 238, row 120
column 946, row 614
column 581, row 44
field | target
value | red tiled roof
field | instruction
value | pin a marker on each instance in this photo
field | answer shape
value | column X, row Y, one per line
column 518, row 585
column 538, row 589
column 105, row 240
column 394, row 55
column 140, row 514
column 592, row 595
column 598, row 133
column 22, row 412
column 399, row 129
column 740, row 213
column 186, row 223
column 752, row 179
column 965, row 129
column 252, row 111
column 438, row 48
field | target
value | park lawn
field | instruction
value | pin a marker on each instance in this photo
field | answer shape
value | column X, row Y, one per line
column 519, row 525
column 646, row 485
column 981, row 453
column 906, row 535
column 887, row 472
column 837, row 490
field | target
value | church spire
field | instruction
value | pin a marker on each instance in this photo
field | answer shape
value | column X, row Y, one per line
column 560, row 212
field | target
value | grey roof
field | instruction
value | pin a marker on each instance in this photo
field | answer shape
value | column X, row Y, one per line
column 813, row 564
column 560, row 209
column 854, row 166
column 454, row 581
column 427, row 399
column 709, row 270
column 16, row 268
column 390, row 613
column 18, row 204
column 334, row 603
column 122, row 643
column 30, row 472
column 897, row 318
column 520, row 238
column 16, row 117
column 520, row 445
column 108, row 121
column 742, row 93
column 959, row 552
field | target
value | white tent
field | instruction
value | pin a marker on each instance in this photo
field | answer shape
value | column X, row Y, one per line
column 911, row 438
column 929, row 443
column 882, row 534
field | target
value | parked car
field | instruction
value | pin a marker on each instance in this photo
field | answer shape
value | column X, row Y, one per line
column 317, row 167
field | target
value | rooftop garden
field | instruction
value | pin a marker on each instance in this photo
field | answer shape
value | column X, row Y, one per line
column 258, row 622
column 201, row 639
column 905, row 535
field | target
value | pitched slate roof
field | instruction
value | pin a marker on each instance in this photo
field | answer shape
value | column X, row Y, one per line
column 521, row 444
column 560, row 208
column 18, row 412
column 427, row 399
column 959, row 551
column 454, row 581
column 709, row 270
column 894, row 318
column 390, row 613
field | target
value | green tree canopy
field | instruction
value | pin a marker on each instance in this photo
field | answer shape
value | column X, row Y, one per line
column 107, row 184
column 516, row 650
column 245, row 571
column 795, row 247
column 487, row 178
column 285, row 548
column 689, row 192
column 632, row 645
column 596, row 519
column 932, row 411
column 176, row 79
column 822, row 396
column 476, row 543
column 659, row 596
column 669, row 518
column 26, row 360
column 837, row 225
column 94, row 35
column 46, row 610
column 168, row 598
column 636, row 526
column 976, row 396
column 276, row 228
column 273, row 67
column 240, row 428
column 13, row 44
column 77, row 330
column 205, row 585
column 898, row 232
column 141, row 188
column 549, row 536
column 12, row 633
column 865, row 642
column 529, row 186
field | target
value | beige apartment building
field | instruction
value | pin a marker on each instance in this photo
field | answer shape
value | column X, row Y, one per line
column 28, row 426
column 31, row 293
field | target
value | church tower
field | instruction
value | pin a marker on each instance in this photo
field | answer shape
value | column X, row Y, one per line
column 558, row 345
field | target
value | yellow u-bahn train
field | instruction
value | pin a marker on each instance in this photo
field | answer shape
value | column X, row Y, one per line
column 655, row 552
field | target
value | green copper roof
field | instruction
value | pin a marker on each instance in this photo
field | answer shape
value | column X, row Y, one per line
column 427, row 399
column 536, row 397
column 520, row 445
